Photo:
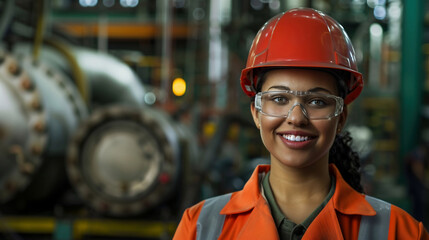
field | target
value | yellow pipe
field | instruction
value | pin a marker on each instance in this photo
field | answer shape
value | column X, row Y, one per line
column 78, row 75
column 89, row 227
column 38, row 225
column 40, row 27
column 114, row 228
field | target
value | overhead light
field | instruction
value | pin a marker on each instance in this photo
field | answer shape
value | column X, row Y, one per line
column 88, row 3
column 380, row 12
column 179, row 87
column 129, row 3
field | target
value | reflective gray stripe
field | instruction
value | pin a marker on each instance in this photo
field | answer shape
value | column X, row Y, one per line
column 375, row 227
column 210, row 221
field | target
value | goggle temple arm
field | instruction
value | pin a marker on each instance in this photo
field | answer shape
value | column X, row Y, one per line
column 258, row 102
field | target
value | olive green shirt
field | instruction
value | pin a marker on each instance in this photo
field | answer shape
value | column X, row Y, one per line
column 287, row 229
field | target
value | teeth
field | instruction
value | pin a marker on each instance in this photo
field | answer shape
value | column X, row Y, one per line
column 295, row 138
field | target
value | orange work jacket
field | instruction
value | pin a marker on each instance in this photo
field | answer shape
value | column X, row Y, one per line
column 248, row 216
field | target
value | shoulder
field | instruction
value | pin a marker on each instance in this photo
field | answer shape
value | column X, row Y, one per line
column 397, row 222
column 395, row 213
column 205, row 209
column 401, row 217
column 188, row 224
column 401, row 224
column 404, row 226
column 192, row 213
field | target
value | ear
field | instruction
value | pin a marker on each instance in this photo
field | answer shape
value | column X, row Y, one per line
column 255, row 115
column 343, row 118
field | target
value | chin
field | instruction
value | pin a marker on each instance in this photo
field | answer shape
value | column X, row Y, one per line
column 300, row 162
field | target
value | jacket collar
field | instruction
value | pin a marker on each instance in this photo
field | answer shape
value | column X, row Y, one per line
column 246, row 199
column 345, row 199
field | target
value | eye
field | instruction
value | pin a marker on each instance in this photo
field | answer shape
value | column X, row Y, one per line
column 318, row 102
column 278, row 99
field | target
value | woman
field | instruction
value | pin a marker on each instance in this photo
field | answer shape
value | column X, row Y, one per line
column 301, row 74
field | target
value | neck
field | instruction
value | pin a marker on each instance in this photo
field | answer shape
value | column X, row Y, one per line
column 308, row 184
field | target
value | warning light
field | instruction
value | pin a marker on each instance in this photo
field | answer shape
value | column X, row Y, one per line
column 179, row 87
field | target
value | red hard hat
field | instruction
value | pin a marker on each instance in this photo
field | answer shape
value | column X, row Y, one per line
column 302, row 37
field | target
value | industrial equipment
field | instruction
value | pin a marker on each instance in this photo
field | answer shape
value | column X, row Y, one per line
column 124, row 161
column 40, row 110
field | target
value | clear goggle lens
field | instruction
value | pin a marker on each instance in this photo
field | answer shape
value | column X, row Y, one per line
column 313, row 105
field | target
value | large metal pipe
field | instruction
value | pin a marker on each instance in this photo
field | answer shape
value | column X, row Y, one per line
column 108, row 79
column 40, row 108
column 111, row 80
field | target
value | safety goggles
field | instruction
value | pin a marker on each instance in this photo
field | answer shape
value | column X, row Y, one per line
column 313, row 105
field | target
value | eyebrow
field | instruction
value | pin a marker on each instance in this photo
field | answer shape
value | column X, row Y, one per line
column 316, row 89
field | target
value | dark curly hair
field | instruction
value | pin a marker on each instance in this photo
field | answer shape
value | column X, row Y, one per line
column 341, row 153
column 347, row 161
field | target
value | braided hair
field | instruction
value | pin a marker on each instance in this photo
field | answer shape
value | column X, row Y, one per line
column 341, row 153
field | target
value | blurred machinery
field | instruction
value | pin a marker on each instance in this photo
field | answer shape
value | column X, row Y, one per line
column 74, row 125
column 101, row 78
column 40, row 111
column 124, row 161
column 125, row 158
column 122, row 158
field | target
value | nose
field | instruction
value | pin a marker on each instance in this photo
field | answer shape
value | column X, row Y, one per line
column 297, row 115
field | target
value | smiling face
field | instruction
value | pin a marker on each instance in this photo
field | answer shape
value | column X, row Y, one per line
column 296, row 141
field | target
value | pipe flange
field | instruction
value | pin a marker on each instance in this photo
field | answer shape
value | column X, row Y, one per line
column 123, row 161
column 64, row 108
column 22, row 128
column 62, row 82
column 70, row 91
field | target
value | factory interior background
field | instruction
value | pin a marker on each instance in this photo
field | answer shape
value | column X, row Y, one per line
column 116, row 115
